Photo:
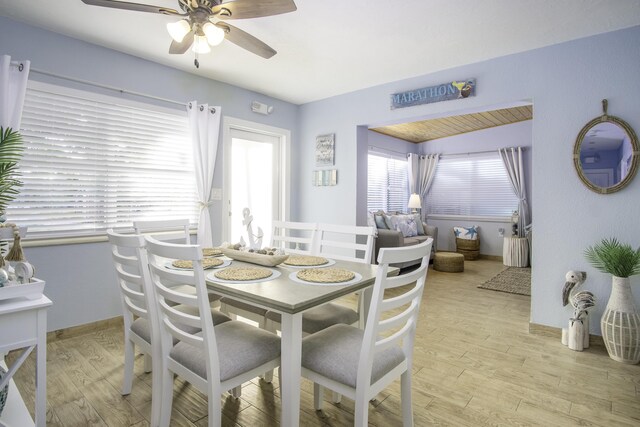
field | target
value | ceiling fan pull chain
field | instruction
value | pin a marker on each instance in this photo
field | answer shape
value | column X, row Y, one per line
column 196, row 62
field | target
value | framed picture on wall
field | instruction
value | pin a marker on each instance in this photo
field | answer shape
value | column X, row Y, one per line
column 325, row 150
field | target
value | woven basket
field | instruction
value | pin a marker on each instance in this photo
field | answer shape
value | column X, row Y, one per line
column 449, row 262
column 469, row 248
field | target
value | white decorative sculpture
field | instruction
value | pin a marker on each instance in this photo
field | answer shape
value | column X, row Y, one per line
column 576, row 335
column 255, row 240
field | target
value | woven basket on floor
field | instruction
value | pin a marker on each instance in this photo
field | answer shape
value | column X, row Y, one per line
column 449, row 262
column 469, row 248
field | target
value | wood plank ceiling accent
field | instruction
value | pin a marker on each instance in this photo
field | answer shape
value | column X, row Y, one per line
column 427, row 130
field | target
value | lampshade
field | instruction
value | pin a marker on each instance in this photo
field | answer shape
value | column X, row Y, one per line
column 214, row 34
column 414, row 201
column 200, row 45
column 177, row 30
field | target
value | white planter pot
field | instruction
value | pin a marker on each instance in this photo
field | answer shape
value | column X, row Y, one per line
column 621, row 323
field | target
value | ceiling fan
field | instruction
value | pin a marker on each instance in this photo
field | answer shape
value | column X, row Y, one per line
column 204, row 23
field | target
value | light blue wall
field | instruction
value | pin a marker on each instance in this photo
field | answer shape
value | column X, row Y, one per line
column 566, row 83
column 79, row 278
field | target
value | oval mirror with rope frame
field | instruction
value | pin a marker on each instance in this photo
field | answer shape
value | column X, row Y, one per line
column 606, row 153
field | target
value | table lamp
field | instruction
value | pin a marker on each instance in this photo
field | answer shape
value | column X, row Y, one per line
column 414, row 203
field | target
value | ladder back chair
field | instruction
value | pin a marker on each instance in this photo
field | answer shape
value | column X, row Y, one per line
column 294, row 237
column 130, row 261
column 141, row 324
column 176, row 230
column 215, row 359
column 328, row 238
column 345, row 242
column 170, row 230
column 359, row 364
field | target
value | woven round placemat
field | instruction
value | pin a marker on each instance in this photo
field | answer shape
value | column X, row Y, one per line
column 243, row 273
column 211, row 251
column 326, row 275
column 206, row 263
column 305, row 260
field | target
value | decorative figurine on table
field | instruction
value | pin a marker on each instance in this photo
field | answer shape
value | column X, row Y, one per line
column 15, row 254
column 255, row 240
column 576, row 335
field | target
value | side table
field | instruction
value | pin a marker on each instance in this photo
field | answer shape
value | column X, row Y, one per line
column 23, row 324
column 515, row 252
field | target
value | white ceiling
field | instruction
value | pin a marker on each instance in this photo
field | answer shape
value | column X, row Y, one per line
column 330, row 47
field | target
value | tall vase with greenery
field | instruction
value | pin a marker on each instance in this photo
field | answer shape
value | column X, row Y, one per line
column 10, row 154
column 620, row 322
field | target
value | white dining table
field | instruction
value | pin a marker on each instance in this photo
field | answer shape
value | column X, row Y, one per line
column 291, row 299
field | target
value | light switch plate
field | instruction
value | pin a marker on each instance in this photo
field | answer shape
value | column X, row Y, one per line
column 216, row 194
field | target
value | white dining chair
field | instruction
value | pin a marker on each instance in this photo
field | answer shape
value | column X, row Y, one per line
column 215, row 359
column 360, row 363
column 331, row 241
column 294, row 237
column 141, row 324
column 171, row 230
column 175, row 230
column 130, row 262
column 345, row 242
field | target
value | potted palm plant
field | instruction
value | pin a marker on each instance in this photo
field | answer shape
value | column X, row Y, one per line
column 10, row 154
column 620, row 322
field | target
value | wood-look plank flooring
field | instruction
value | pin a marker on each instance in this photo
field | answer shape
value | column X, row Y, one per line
column 475, row 364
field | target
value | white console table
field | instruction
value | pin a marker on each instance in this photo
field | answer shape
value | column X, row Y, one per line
column 515, row 252
column 23, row 325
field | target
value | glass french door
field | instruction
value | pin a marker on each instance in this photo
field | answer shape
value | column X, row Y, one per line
column 254, row 182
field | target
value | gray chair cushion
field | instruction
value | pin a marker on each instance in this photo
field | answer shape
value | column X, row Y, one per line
column 241, row 347
column 140, row 326
column 335, row 352
column 322, row 317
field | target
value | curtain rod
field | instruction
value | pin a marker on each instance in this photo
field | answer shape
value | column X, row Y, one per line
column 475, row 152
column 113, row 88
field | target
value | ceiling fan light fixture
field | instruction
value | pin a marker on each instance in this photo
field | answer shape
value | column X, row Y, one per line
column 200, row 45
column 214, row 34
column 177, row 30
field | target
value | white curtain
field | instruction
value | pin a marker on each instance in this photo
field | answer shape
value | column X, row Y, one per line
column 513, row 163
column 13, row 86
column 204, row 122
column 422, row 169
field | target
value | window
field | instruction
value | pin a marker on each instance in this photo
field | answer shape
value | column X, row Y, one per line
column 388, row 186
column 92, row 163
column 471, row 185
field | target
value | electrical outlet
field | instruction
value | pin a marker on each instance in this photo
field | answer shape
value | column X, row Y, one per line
column 216, row 194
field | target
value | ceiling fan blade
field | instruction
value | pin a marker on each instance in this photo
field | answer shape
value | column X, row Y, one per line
column 246, row 40
column 242, row 9
column 183, row 46
column 131, row 6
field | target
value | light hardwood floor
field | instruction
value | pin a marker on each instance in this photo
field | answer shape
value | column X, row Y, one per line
column 475, row 365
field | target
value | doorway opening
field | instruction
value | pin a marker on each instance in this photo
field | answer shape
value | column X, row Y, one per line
column 256, row 172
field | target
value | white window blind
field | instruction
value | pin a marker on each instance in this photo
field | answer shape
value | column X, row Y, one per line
column 388, row 186
column 471, row 185
column 89, row 165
